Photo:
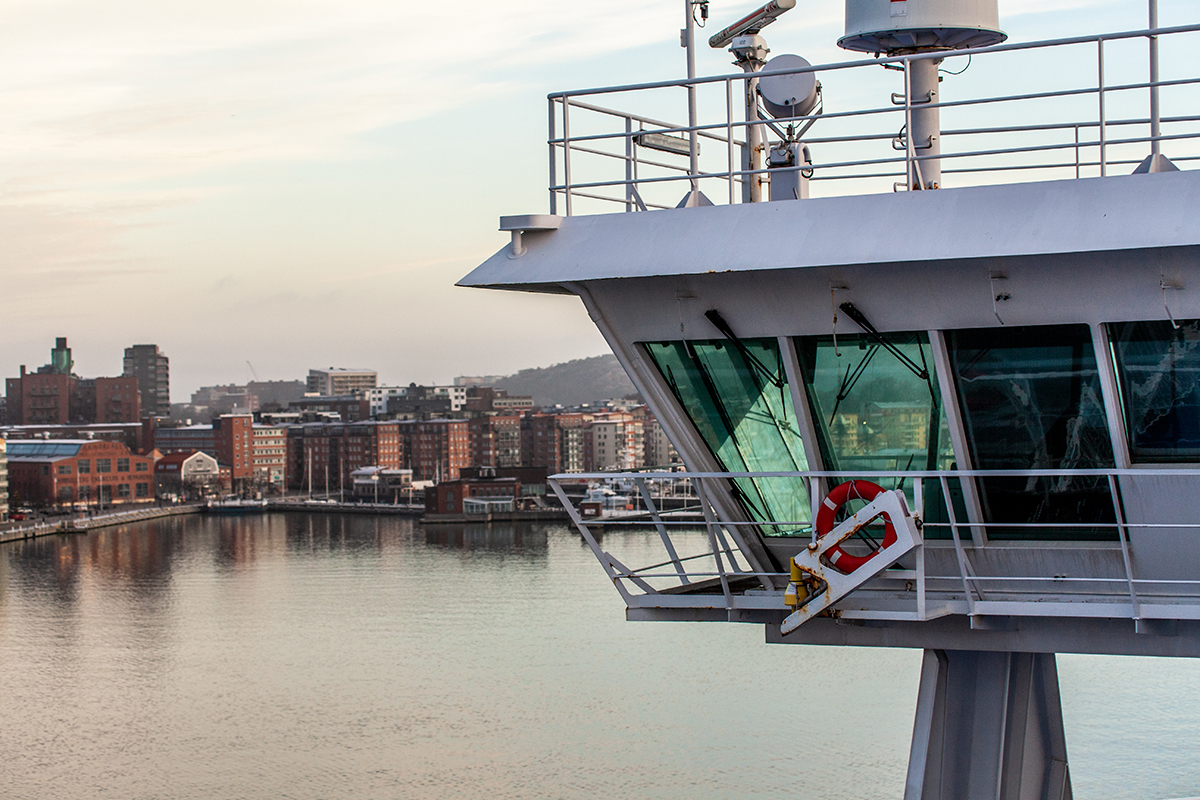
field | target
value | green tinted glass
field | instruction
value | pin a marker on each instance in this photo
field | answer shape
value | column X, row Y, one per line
column 737, row 396
column 876, row 407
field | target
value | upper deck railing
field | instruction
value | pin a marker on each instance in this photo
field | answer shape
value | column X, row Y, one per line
column 1065, row 108
column 1145, row 566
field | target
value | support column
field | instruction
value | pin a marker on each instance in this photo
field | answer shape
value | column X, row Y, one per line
column 926, row 121
column 988, row 727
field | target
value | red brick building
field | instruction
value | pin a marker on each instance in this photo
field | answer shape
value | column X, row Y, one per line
column 481, row 495
column 554, row 441
column 118, row 400
column 436, row 449
column 65, row 471
column 41, row 398
column 54, row 395
column 233, row 435
column 254, row 455
column 332, row 451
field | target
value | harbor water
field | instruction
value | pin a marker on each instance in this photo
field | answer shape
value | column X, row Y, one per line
column 327, row 656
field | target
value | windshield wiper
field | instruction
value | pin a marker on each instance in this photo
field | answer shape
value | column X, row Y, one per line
column 714, row 316
column 853, row 313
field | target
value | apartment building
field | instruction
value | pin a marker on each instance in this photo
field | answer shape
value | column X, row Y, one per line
column 436, row 449
column 152, row 369
column 329, row 453
column 339, row 381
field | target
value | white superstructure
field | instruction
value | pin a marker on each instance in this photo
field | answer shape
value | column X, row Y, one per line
column 994, row 319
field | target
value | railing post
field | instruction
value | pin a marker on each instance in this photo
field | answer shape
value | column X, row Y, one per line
column 709, row 524
column 1123, row 531
column 919, row 504
column 629, row 206
column 553, row 162
column 566, row 103
column 590, row 538
column 729, row 134
column 1100, row 93
column 1155, row 122
column 662, row 530
column 1077, row 151
column 963, row 568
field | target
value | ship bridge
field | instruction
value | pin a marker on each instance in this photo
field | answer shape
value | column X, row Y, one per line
column 965, row 363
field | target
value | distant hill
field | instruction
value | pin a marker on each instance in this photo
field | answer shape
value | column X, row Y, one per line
column 580, row 381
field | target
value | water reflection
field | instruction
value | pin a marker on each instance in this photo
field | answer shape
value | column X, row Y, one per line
column 343, row 657
column 140, row 555
column 500, row 537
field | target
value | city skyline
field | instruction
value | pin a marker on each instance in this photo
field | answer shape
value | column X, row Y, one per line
column 302, row 186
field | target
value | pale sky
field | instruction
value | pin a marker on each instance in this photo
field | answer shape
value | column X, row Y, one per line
column 299, row 184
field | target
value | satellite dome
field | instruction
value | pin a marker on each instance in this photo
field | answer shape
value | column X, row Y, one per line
column 911, row 26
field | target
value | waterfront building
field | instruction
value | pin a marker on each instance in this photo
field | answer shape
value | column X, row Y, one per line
column 337, row 381
column 134, row 435
column 485, row 494
column 436, row 449
column 59, row 472
column 495, row 441
column 382, row 484
column 268, row 456
column 233, row 436
column 152, row 369
column 254, row 454
column 189, row 475
column 329, row 453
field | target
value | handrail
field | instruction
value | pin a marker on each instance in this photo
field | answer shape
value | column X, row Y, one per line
column 702, row 569
column 1098, row 154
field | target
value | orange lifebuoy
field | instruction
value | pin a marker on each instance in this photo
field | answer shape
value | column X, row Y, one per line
column 838, row 497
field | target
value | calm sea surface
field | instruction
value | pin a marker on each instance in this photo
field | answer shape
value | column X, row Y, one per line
column 352, row 657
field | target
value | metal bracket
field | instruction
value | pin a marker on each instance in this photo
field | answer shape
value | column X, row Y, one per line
column 1165, row 283
column 837, row 584
column 998, row 295
column 527, row 223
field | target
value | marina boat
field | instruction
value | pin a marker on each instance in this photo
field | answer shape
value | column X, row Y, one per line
column 927, row 343
column 235, row 507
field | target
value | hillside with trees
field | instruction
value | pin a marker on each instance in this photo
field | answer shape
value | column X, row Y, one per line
column 583, row 380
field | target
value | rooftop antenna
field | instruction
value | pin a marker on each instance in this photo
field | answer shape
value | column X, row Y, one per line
column 750, row 53
column 908, row 27
column 687, row 38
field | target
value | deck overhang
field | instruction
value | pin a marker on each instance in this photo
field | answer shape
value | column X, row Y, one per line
column 987, row 222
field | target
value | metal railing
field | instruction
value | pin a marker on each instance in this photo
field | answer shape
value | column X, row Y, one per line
column 1086, row 127
column 724, row 563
